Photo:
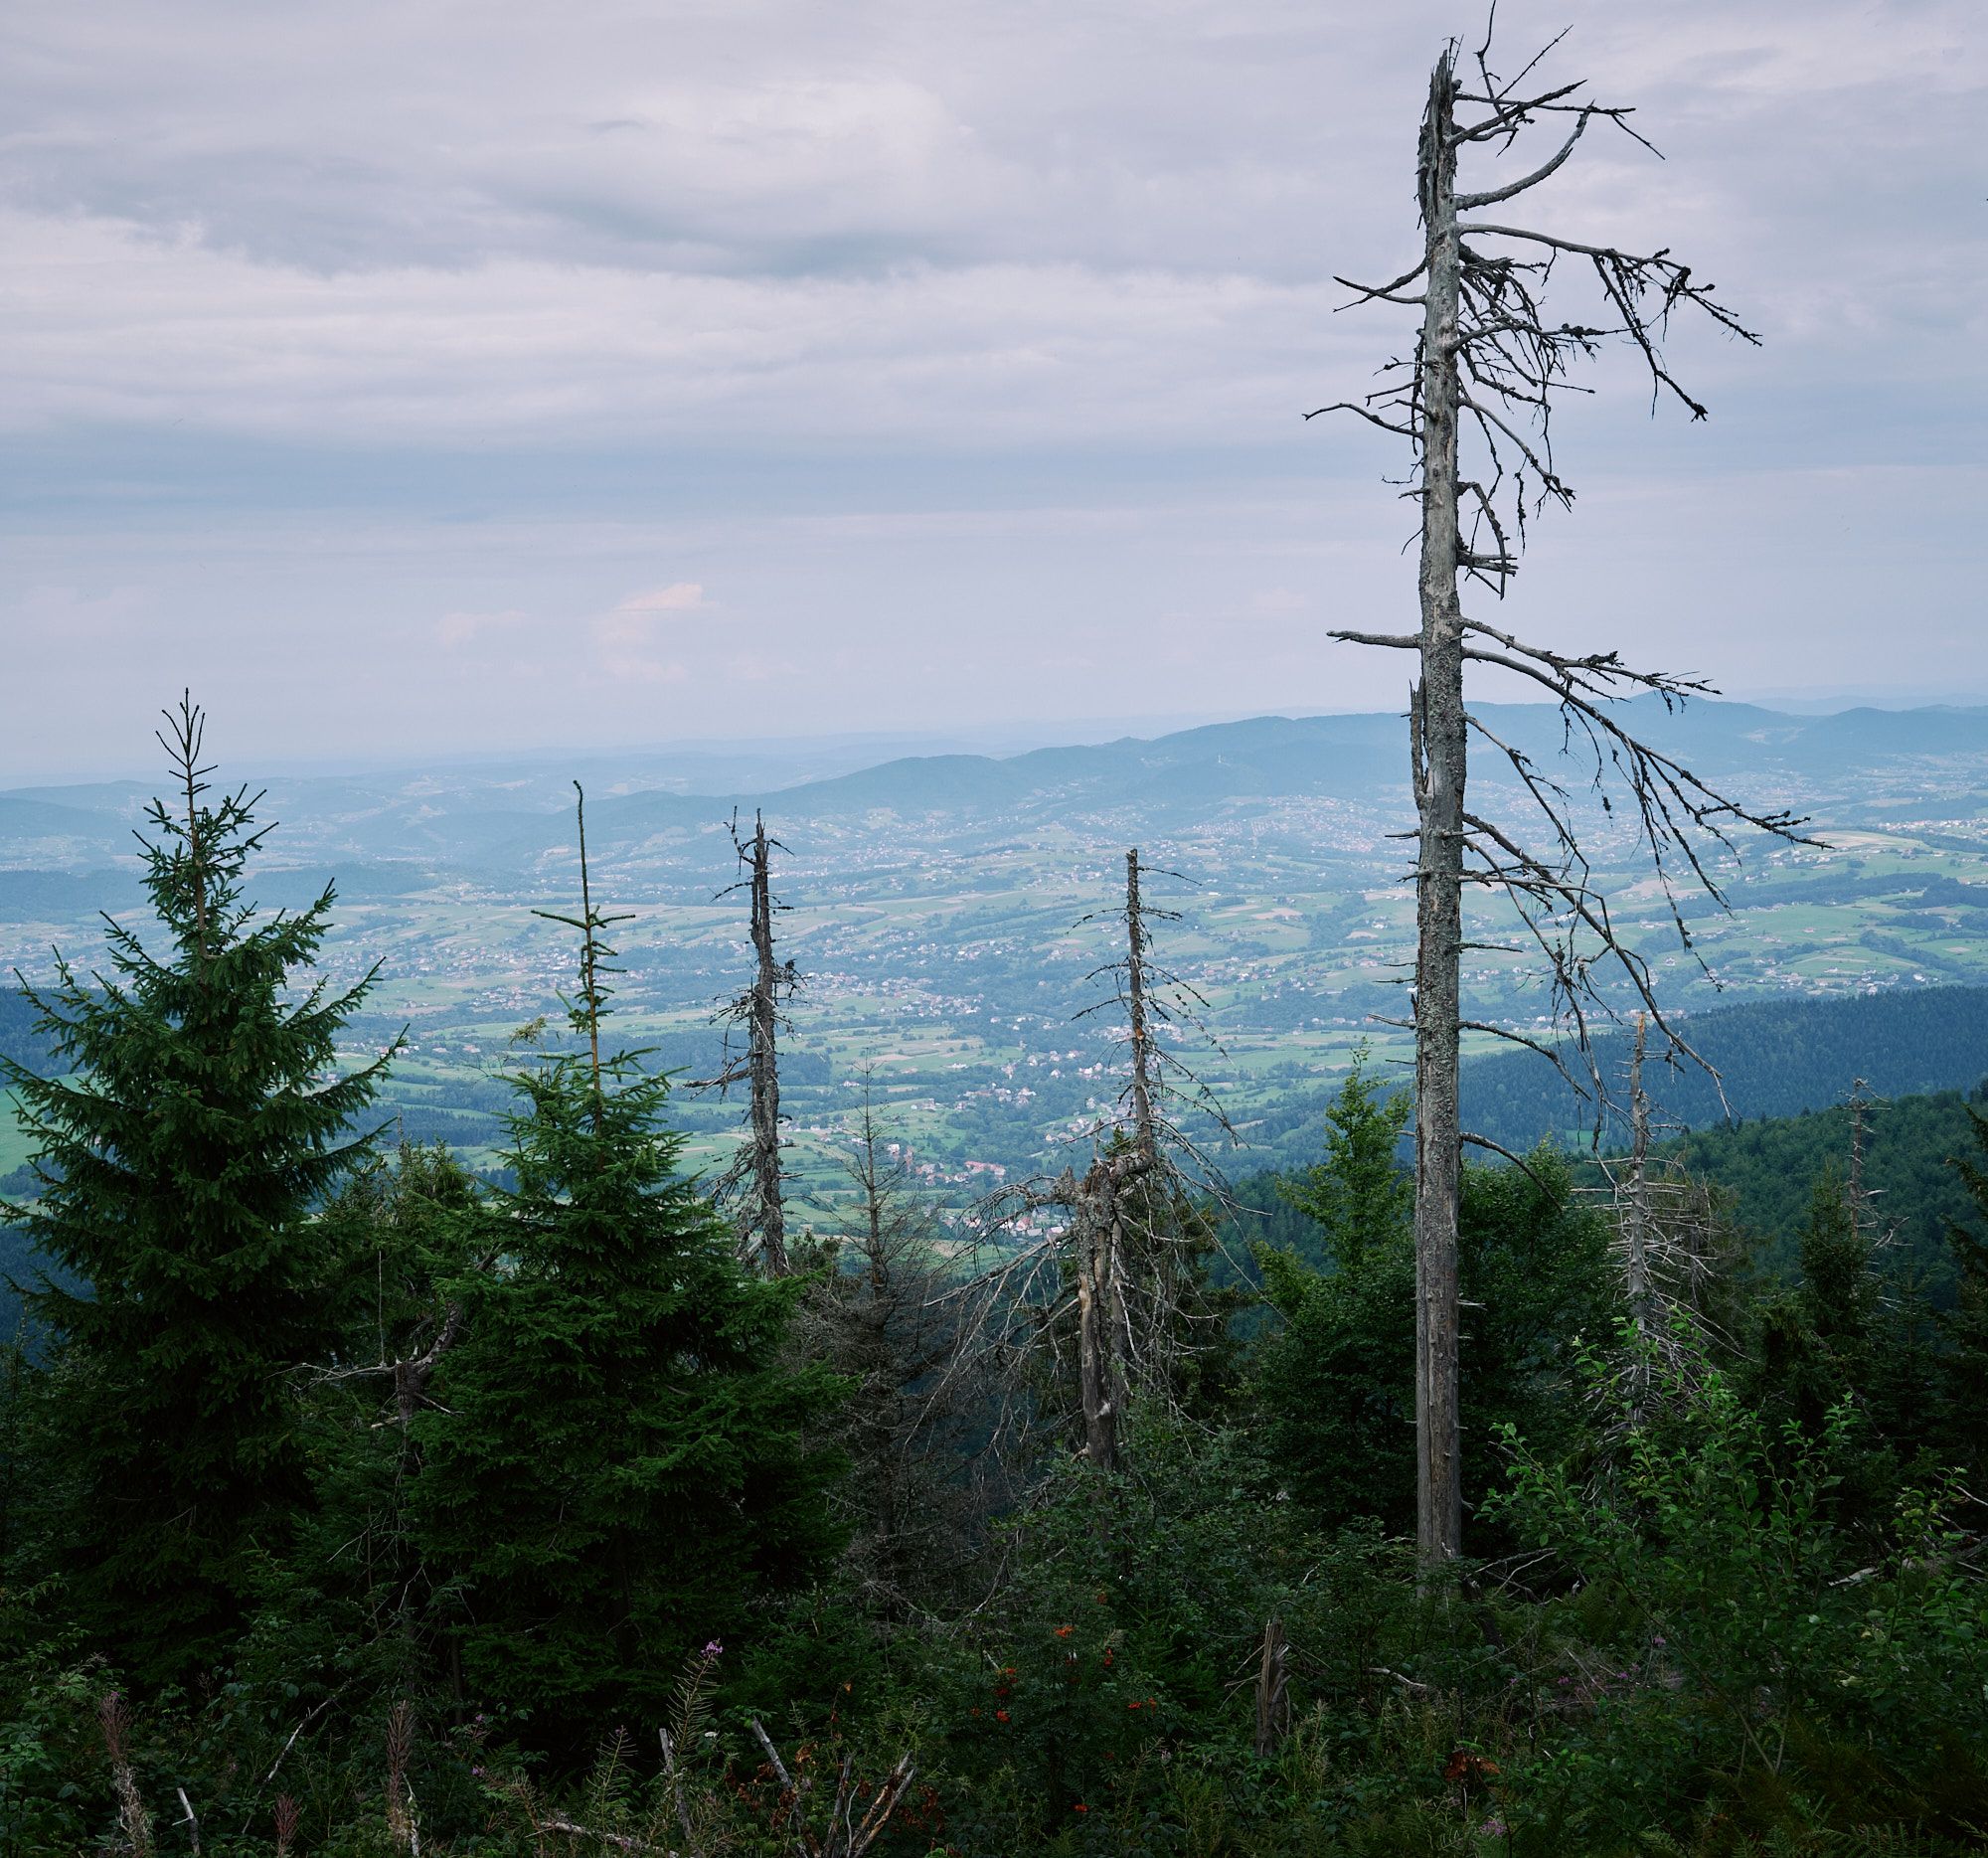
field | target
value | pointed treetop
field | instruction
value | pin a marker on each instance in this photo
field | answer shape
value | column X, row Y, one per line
column 596, row 959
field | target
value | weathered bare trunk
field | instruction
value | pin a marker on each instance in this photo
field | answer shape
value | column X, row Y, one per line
column 1098, row 1377
column 1135, row 996
column 590, row 962
column 1490, row 360
column 1438, row 727
column 1105, row 1332
column 755, row 1182
column 1273, row 1696
column 764, row 1059
column 1859, row 1111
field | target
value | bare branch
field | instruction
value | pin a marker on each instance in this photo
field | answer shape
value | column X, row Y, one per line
column 1372, row 419
column 1498, row 1148
column 1469, row 203
column 1395, row 641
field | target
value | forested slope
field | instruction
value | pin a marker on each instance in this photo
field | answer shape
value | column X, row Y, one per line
column 1775, row 1058
column 1769, row 1165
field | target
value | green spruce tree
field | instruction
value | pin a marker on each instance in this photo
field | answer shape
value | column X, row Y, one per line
column 177, row 1166
column 1815, row 1337
column 618, row 1464
column 1336, row 1380
column 370, row 1614
column 1851, row 1336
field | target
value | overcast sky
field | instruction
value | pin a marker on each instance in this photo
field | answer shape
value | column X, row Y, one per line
column 423, row 376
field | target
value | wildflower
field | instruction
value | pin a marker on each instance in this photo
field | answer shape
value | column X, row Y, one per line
column 1493, row 1828
column 1063, row 1632
column 713, row 1649
column 1133, row 1705
column 1080, row 1807
column 1000, row 1716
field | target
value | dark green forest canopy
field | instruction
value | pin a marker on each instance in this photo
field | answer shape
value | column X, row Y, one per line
column 20, row 1036
column 1769, row 1166
column 1775, row 1058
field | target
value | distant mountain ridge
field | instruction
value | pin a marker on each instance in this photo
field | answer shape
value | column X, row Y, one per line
column 472, row 817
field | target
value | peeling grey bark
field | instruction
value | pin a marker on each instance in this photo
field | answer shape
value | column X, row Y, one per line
column 756, row 1180
column 1440, row 746
column 1635, row 1222
column 768, row 1202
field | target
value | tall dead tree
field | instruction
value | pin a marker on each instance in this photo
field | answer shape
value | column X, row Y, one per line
column 1139, row 1036
column 1665, row 1241
column 1098, row 1213
column 1120, row 1263
column 1863, row 1200
column 1474, row 403
column 756, row 1180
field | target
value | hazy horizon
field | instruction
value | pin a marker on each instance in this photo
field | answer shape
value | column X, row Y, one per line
column 851, row 750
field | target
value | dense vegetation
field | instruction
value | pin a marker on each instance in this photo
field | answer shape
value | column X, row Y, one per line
column 354, row 1504
column 1775, row 1058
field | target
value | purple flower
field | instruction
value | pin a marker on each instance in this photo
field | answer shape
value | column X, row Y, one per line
column 1660, row 1642
column 713, row 1648
column 1491, row 1829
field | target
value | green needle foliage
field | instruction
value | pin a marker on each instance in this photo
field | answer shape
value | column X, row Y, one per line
column 1336, row 1381
column 618, row 1464
column 178, row 1167
column 1967, row 1326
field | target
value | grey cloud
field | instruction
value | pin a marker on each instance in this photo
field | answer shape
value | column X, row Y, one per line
column 793, row 137
column 1025, row 252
